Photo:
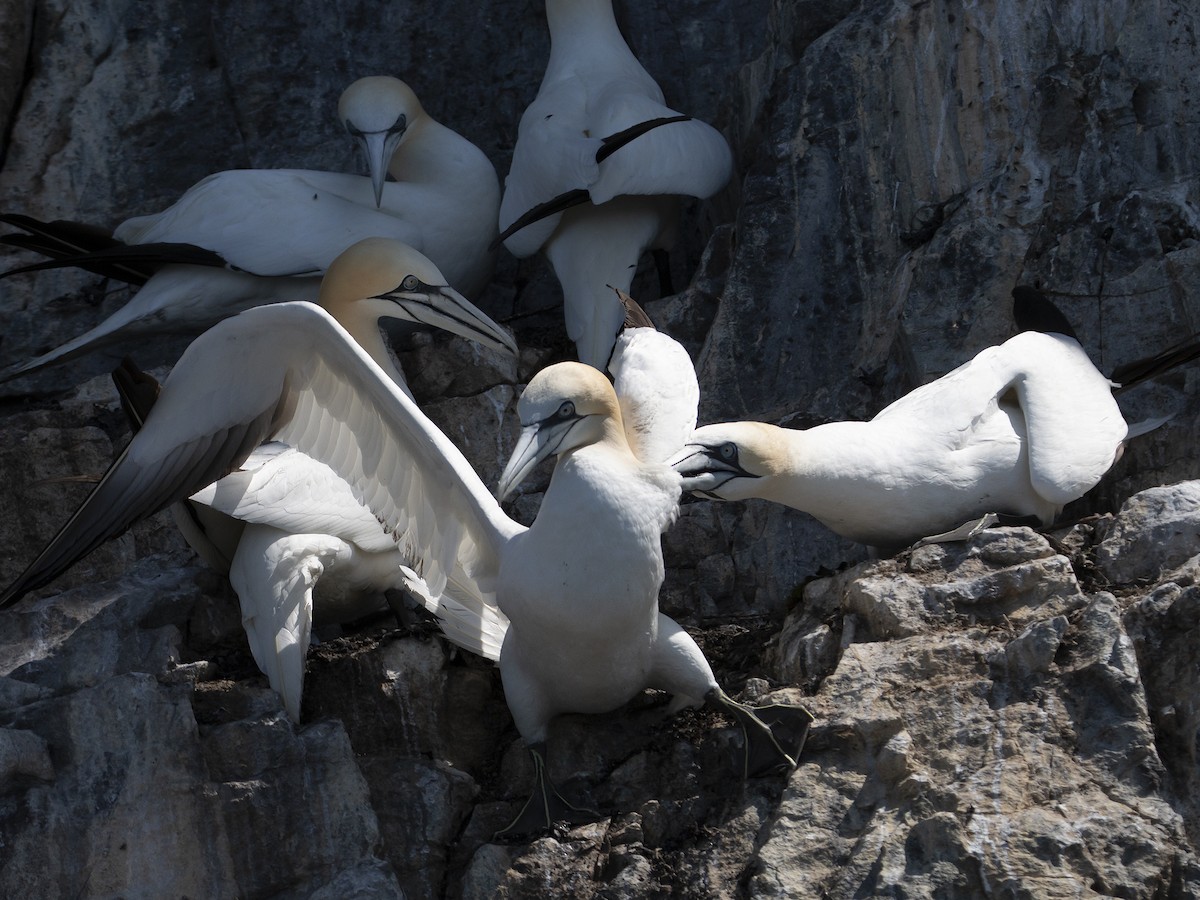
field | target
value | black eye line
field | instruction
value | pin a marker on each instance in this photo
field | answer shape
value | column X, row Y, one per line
column 399, row 127
column 558, row 415
column 731, row 466
column 419, row 288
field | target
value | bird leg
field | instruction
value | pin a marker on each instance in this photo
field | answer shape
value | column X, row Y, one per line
column 406, row 608
column 545, row 805
column 774, row 734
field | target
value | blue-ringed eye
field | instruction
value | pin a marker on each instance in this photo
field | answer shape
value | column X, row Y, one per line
column 566, row 411
column 728, row 451
column 410, row 283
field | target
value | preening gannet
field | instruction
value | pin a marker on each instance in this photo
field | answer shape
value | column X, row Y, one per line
column 600, row 136
column 284, row 526
column 1021, row 429
column 579, row 586
column 656, row 386
column 245, row 237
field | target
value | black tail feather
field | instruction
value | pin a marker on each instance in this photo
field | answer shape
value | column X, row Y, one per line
column 1032, row 311
column 95, row 250
column 138, row 392
column 1139, row 370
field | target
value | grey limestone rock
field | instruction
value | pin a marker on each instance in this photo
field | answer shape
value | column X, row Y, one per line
column 1011, row 716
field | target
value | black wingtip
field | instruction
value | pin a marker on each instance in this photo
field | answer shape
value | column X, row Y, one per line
column 1033, row 311
column 138, row 391
column 1139, row 370
column 12, row 595
column 614, row 142
column 564, row 201
column 554, row 205
column 93, row 249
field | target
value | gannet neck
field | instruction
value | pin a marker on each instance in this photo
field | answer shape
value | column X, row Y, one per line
column 433, row 154
column 584, row 30
column 365, row 329
column 657, row 389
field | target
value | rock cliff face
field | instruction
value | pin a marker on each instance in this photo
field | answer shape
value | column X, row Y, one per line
column 1014, row 716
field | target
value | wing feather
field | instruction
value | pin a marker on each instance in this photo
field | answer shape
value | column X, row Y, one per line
column 238, row 213
column 289, row 372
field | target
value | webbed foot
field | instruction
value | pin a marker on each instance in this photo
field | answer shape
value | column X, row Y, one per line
column 774, row 734
column 545, row 805
column 968, row 530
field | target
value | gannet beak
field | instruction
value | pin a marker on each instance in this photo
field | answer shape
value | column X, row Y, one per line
column 705, row 469
column 525, row 457
column 378, row 147
column 538, row 441
column 443, row 307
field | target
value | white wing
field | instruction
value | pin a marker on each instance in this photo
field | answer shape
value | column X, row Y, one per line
column 291, row 373
column 319, row 525
column 287, row 489
column 274, row 581
column 560, row 134
column 240, row 214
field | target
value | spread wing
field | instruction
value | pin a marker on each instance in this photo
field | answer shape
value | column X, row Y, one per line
column 289, row 372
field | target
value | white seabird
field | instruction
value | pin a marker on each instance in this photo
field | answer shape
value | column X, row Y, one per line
column 245, row 237
column 284, row 523
column 656, row 387
column 1020, row 430
column 599, row 135
column 579, row 586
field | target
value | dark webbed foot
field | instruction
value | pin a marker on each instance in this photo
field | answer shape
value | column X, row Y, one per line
column 774, row 734
column 545, row 805
column 411, row 615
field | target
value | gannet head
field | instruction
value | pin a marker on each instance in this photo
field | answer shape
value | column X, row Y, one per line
column 732, row 460
column 378, row 111
column 564, row 407
column 380, row 278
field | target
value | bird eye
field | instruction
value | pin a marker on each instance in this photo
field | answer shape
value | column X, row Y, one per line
column 567, row 410
column 410, row 283
column 401, row 125
column 728, row 451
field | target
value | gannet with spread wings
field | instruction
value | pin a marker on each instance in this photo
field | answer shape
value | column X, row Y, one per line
column 579, row 586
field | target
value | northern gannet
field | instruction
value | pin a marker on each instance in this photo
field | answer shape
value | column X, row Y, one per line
column 600, row 136
column 1022, row 429
column 579, row 586
column 284, row 527
column 245, row 237
column 656, row 386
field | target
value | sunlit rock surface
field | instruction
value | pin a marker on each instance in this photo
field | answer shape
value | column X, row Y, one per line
column 1013, row 716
